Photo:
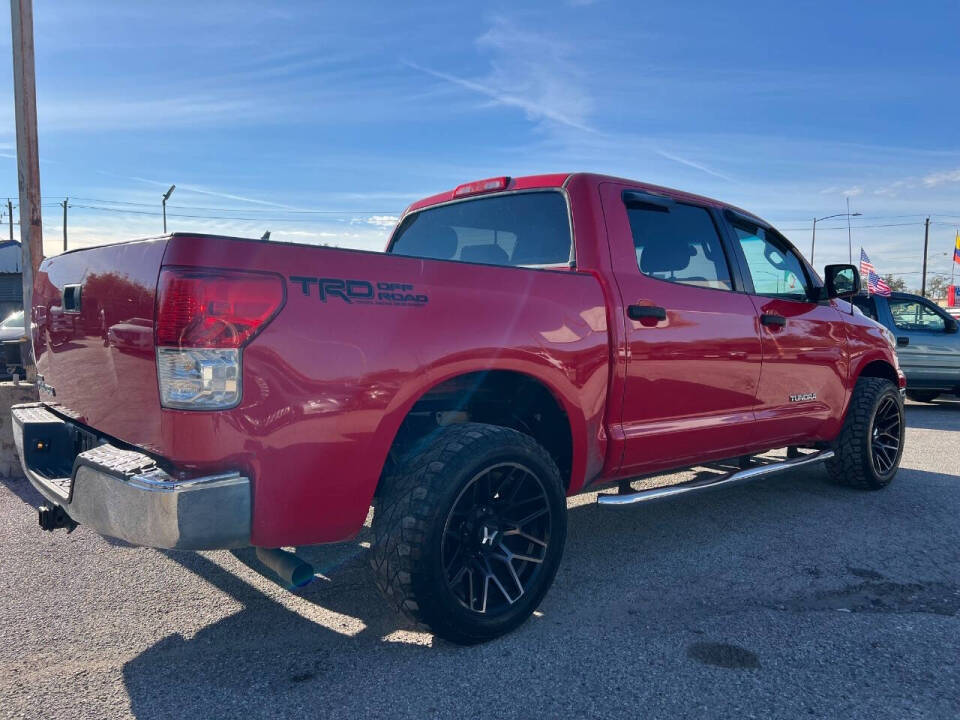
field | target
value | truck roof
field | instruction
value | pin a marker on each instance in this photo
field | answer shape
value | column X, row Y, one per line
column 559, row 180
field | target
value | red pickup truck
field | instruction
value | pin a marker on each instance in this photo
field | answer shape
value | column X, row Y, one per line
column 519, row 341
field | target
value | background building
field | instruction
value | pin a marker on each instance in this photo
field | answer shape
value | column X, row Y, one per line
column 11, row 279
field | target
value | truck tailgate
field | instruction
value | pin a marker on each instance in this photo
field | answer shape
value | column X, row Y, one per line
column 93, row 336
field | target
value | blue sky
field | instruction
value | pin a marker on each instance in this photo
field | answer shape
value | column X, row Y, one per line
column 258, row 111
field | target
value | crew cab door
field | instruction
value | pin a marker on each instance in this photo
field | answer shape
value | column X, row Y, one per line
column 803, row 383
column 928, row 345
column 692, row 341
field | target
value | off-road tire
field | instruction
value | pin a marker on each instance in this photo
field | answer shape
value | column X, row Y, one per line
column 924, row 396
column 412, row 513
column 853, row 464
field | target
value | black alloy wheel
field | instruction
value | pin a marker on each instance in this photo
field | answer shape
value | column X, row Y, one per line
column 496, row 538
column 469, row 531
column 885, row 441
column 868, row 449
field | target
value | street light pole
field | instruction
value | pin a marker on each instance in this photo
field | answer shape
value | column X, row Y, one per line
column 166, row 196
column 813, row 241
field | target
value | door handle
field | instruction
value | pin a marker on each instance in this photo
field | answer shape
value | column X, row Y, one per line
column 646, row 312
column 773, row 320
column 902, row 340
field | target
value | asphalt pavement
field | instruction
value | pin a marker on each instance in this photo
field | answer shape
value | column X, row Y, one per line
column 788, row 597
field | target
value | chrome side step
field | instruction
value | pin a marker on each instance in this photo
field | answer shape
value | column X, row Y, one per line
column 734, row 478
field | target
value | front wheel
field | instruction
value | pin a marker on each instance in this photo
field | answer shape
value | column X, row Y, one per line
column 870, row 445
column 468, row 534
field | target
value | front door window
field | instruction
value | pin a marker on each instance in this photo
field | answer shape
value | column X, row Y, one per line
column 776, row 271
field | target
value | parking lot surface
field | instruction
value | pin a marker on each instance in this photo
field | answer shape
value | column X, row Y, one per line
column 787, row 597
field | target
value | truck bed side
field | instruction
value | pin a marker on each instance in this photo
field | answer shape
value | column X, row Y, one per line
column 326, row 385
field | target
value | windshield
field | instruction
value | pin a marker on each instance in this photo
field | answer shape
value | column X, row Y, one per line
column 13, row 321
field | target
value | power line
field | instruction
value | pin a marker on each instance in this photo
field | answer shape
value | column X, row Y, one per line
column 242, row 210
column 199, row 217
column 221, row 209
column 917, row 272
column 865, row 215
column 855, row 227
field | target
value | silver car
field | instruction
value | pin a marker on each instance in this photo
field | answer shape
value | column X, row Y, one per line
column 928, row 344
column 13, row 337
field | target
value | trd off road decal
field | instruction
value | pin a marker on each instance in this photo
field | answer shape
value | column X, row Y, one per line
column 361, row 292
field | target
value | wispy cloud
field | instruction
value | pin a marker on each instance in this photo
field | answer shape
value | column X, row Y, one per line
column 529, row 71
column 939, row 178
column 382, row 221
column 539, row 75
column 917, row 183
column 693, row 164
column 535, row 110
column 207, row 191
column 101, row 113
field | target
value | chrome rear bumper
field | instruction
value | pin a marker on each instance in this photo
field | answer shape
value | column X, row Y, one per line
column 125, row 494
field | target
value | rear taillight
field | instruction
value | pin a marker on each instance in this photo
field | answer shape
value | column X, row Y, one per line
column 204, row 318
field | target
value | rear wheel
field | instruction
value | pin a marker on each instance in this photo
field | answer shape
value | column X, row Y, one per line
column 923, row 395
column 469, row 532
column 870, row 445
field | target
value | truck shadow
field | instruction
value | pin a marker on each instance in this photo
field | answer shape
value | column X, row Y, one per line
column 22, row 488
column 942, row 414
column 622, row 568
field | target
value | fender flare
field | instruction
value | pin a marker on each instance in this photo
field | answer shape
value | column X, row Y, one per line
column 586, row 440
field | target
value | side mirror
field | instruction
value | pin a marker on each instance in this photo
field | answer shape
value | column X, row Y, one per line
column 842, row 281
column 952, row 325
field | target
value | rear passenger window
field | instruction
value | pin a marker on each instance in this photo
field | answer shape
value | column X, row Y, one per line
column 866, row 306
column 680, row 244
column 515, row 229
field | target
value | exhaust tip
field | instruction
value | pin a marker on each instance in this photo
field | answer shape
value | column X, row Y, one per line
column 293, row 571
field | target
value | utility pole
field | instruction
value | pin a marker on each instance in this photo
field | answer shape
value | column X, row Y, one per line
column 64, row 203
column 849, row 235
column 28, row 160
column 10, row 217
column 926, row 240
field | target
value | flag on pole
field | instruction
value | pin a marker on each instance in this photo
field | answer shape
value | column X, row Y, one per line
column 956, row 249
column 875, row 283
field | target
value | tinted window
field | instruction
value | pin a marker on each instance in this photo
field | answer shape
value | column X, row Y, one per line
column 914, row 315
column 679, row 243
column 775, row 270
column 516, row 229
column 866, row 306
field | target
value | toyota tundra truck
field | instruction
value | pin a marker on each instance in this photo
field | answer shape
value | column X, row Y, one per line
column 521, row 340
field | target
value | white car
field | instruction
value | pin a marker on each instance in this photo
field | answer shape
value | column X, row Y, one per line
column 12, row 328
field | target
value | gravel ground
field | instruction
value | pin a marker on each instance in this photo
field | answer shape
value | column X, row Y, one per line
column 787, row 597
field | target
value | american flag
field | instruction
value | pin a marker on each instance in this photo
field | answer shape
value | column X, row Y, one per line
column 875, row 283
